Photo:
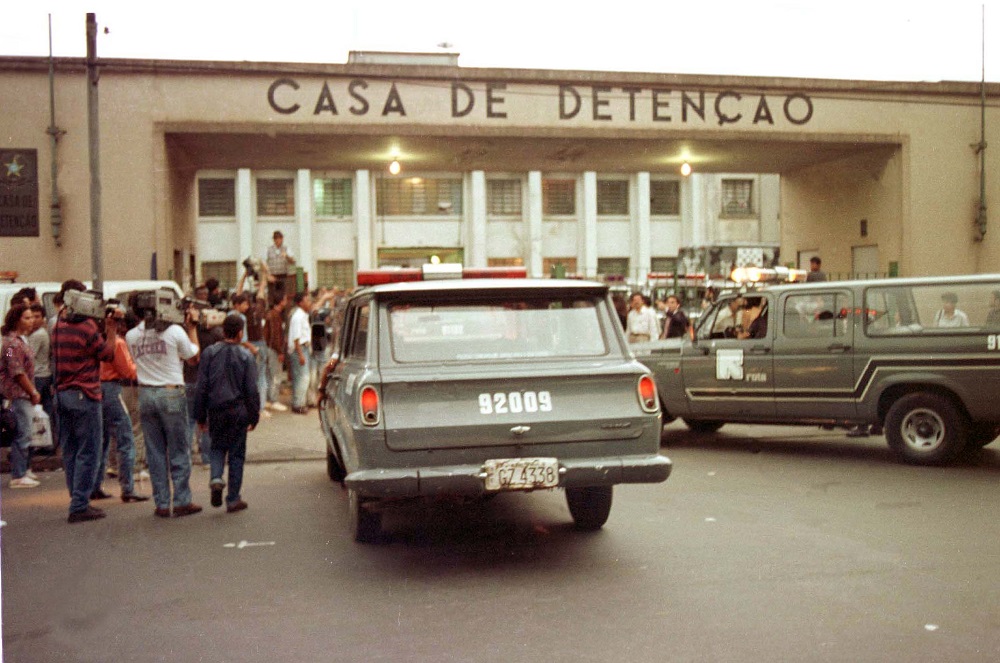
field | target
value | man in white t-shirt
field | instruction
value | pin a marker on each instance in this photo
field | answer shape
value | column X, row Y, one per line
column 642, row 324
column 158, row 353
column 299, row 351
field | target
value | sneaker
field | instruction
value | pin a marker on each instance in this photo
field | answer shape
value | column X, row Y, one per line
column 31, row 475
column 186, row 510
column 238, row 505
column 161, row 512
column 24, row 482
column 279, row 407
column 216, row 488
column 92, row 513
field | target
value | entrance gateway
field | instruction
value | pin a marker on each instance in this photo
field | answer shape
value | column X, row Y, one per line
column 502, row 167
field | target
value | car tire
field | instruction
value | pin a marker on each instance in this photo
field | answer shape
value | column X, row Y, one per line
column 590, row 506
column 333, row 468
column 980, row 435
column 703, row 426
column 926, row 429
column 365, row 524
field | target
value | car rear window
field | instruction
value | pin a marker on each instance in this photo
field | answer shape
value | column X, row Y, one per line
column 509, row 328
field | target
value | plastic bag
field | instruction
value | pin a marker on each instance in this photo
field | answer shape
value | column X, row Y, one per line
column 41, row 429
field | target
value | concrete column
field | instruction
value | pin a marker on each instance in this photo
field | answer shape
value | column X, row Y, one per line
column 477, row 220
column 534, row 223
column 587, row 257
column 642, row 250
column 364, row 212
column 304, row 221
column 244, row 216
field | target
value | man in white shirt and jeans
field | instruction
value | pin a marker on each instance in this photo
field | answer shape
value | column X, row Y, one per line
column 642, row 324
column 158, row 353
column 299, row 350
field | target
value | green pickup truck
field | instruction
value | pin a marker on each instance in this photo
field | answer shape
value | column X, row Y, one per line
column 473, row 386
column 918, row 358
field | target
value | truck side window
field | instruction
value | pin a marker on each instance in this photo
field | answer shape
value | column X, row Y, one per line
column 359, row 332
column 816, row 315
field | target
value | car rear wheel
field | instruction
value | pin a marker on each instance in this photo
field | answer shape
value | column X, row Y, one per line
column 589, row 506
column 365, row 524
column 925, row 429
column 704, row 426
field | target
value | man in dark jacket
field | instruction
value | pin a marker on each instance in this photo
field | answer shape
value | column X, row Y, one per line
column 676, row 323
column 227, row 403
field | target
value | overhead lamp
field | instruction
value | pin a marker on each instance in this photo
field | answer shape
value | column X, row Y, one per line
column 685, row 169
column 394, row 167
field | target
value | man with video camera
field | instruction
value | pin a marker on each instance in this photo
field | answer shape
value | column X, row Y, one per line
column 158, row 345
column 78, row 347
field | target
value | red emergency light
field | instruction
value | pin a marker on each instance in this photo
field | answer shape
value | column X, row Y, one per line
column 370, row 277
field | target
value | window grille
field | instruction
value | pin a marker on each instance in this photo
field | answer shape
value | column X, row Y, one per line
column 558, row 197
column 224, row 271
column 737, row 197
column 503, row 197
column 275, row 197
column 569, row 264
column 665, row 265
column 612, row 267
column 339, row 273
column 664, row 198
column 419, row 196
column 217, row 197
column 332, row 197
column 612, row 197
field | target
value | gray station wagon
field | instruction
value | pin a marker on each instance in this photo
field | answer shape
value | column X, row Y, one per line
column 471, row 387
column 917, row 357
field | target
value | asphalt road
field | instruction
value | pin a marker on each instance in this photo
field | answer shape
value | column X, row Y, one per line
column 765, row 544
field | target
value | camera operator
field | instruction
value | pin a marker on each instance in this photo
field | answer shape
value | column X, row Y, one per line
column 163, row 407
column 77, row 350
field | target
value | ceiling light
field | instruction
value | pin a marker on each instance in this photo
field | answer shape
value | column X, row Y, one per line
column 685, row 169
column 394, row 167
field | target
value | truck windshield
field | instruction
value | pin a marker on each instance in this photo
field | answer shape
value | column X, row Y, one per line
column 512, row 328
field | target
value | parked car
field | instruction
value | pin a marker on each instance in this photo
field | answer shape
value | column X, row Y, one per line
column 475, row 386
column 885, row 354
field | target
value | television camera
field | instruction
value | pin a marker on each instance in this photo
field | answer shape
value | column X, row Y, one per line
column 162, row 307
column 90, row 304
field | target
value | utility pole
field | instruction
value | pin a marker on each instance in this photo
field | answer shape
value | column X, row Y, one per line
column 93, row 132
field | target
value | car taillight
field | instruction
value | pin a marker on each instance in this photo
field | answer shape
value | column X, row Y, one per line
column 369, row 405
column 647, row 394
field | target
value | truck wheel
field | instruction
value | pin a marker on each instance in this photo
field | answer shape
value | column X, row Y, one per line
column 925, row 429
column 980, row 435
column 589, row 506
column 365, row 525
column 333, row 468
column 706, row 426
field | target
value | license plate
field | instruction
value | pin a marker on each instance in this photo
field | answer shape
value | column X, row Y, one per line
column 521, row 473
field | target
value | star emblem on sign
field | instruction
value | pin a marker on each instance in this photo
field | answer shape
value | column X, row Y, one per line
column 14, row 167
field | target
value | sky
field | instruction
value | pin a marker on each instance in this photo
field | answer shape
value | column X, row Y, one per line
column 886, row 40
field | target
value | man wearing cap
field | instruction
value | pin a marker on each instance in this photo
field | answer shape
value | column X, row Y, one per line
column 279, row 261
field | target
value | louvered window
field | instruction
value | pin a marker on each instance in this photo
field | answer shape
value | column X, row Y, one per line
column 275, row 197
column 331, row 273
column 664, row 265
column 737, row 198
column 419, row 196
column 217, row 197
column 612, row 267
column 224, row 271
column 665, row 198
column 332, row 197
column 612, row 197
column 503, row 197
column 558, row 197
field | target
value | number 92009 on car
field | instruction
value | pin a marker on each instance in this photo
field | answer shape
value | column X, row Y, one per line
column 475, row 386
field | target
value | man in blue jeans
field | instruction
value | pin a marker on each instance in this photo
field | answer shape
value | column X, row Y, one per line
column 77, row 350
column 158, row 350
column 299, row 354
column 206, row 337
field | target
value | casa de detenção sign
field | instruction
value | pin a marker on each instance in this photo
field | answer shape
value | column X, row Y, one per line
column 493, row 101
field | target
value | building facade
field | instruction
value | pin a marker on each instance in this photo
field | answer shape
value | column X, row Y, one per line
column 561, row 171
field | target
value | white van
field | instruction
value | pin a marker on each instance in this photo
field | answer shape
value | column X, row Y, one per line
column 49, row 289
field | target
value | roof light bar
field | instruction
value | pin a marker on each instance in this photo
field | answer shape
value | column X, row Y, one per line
column 432, row 272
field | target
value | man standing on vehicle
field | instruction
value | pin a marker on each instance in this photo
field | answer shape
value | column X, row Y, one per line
column 676, row 324
column 299, row 339
column 642, row 324
column 158, row 353
column 279, row 261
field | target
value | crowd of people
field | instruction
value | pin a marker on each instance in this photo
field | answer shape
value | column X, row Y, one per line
column 202, row 386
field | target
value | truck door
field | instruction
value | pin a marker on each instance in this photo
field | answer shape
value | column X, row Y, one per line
column 728, row 374
column 813, row 356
